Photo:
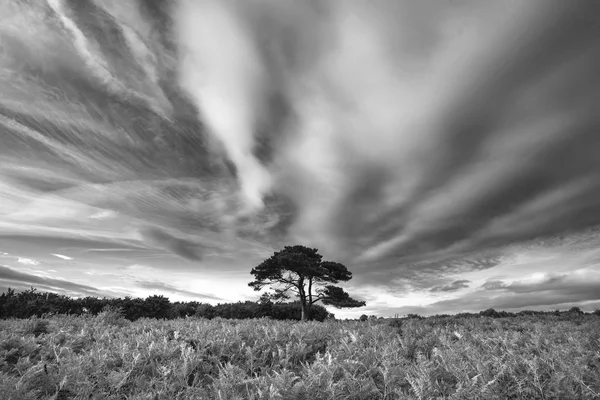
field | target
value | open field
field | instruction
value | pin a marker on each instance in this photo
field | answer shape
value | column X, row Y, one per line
column 108, row 357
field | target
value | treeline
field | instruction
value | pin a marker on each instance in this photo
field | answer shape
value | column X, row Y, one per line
column 573, row 312
column 32, row 303
column 491, row 313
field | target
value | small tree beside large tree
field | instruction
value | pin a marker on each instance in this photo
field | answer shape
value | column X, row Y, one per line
column 299, row 270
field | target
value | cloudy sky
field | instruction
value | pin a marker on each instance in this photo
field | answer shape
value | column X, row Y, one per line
column 447, row 151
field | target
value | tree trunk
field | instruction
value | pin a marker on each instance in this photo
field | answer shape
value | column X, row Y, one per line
column 305, row 312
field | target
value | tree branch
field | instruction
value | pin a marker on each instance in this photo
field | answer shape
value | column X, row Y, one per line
column 291, row 287
column 318, row 298
column 291, row 282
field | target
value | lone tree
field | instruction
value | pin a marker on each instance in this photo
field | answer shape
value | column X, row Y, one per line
column 301, row 271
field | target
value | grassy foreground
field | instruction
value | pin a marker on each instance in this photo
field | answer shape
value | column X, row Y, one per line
column 108, row 357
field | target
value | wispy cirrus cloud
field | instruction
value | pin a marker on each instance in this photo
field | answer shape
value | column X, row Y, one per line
column 10, row 276
column 181, row 247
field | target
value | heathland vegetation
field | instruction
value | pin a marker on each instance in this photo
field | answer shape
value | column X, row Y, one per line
column 535, row 356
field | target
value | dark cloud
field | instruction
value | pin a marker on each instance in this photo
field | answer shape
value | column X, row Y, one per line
column 422, row 274
column 181, row 247
column 164, row 287
column 10, row 276
column 493, row 285
column 452, row 287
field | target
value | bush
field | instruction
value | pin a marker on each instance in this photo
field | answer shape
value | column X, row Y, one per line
column 36, row 327
column 396, row 323
column 111, row 315
column 490, row 312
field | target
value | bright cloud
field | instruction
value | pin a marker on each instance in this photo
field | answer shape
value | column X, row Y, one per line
column 102, row 214
column 27, row 261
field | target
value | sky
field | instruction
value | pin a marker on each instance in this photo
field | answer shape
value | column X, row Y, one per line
column 447, row 152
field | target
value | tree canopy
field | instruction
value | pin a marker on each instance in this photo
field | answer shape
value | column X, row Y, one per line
column 300, row 271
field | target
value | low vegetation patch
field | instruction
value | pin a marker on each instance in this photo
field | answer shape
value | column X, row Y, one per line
column 106, row 356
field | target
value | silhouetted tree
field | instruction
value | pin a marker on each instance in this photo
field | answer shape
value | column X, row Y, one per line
column 157, row 306
column 205, row 310
column 301, row 271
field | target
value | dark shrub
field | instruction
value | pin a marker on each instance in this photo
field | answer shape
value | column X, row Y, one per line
column 490, row 312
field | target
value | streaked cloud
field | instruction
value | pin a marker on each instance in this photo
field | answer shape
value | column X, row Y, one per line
column 437, row 149
column 167, row 288
column 181, row 247
column 493, row 285
column 9, row 276
column 451, row 287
